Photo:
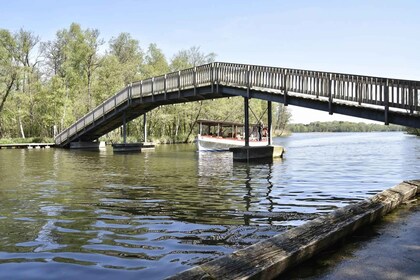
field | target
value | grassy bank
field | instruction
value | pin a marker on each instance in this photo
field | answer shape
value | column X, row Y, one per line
column 26, row 140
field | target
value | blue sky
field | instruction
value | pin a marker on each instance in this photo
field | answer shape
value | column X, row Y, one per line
column 380, row 38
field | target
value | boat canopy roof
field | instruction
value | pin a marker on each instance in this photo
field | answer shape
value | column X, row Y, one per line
column 221, row 123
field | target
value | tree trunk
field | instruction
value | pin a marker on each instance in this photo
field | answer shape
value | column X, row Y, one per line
column 192, row 125
column 22, row 133
column 64, row 109
column 89, row 93
column 8, row 90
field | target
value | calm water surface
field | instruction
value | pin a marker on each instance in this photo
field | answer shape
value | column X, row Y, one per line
column 67, row 214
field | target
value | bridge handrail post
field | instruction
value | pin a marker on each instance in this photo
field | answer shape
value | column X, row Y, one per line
column 217, row 68
column 130, row 93
column 416, row 97
column 195, row 80
column 286, row 87
column 179, row 84
column 330, row 98
column 248, row 80
column 411, row 97
column 141, row 90
column 386, row 103
column 153, row 89
column 212, row 76
column 164, row 87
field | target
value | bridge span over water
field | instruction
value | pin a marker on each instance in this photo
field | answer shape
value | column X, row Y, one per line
column 381, row 99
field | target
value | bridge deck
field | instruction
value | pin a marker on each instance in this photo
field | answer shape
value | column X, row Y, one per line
column 381, row 99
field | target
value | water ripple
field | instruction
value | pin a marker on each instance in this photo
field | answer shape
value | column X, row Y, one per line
column 151, row 215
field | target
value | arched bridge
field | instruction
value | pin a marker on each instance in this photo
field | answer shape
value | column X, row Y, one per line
column 380, row 99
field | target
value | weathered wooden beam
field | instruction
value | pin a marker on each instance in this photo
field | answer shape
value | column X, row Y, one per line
column 269, row 258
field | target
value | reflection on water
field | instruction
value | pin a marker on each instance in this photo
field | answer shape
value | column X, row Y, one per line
column 68, row 214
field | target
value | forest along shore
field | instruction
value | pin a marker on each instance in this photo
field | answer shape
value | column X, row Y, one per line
column 48, row 85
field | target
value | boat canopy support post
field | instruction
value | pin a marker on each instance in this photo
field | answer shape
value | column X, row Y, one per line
column 270, row 119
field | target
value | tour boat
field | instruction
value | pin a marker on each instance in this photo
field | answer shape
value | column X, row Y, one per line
column 222, row 135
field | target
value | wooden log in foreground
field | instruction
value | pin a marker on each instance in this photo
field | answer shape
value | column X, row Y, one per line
column 268, row 258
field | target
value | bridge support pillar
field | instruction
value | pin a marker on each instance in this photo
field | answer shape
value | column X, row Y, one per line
column 124, row 129
column 261, row 153
column 146, row 145
column 256, row 154
column 145, row 127
column 131, row 147
column 88, row 145
column 246, row 116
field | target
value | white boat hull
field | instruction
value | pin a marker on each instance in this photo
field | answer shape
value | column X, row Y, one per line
column 211, row 143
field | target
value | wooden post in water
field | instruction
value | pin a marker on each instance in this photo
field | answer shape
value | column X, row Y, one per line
column 145, row 127
column 124, row 128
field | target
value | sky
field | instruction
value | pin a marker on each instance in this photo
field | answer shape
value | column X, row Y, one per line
column 378, row 38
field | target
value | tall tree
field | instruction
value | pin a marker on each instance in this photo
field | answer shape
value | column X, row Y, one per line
column 26, row 42
column 155, row 62
column 92, row 59
column 129, row 54
column 55, row 55
column 8, row 66
column 190, row 58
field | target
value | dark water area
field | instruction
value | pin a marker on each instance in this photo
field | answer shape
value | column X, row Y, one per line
column 97, row 215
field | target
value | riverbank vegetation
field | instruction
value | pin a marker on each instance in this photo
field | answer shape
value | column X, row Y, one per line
column 47, row 85
column 26, row 140
column 341, row 126
column 413, row 131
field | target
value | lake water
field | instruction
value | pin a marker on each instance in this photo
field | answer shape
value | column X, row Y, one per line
column 94, row 215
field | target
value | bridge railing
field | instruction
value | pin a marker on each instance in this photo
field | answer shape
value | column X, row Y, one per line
column 397, row 93
column 385, row 92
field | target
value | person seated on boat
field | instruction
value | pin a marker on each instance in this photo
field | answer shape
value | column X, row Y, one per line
column 220, row 135
column 265, row 132
column 260, row 126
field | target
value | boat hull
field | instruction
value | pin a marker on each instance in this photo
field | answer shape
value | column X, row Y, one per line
column 207, row 143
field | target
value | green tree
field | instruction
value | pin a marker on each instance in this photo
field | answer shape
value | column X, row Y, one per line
column 155, row 62
column 8, row 65
column 190, row 58
column 129, row 55
column 21, row 75
column 8, row 72
column 29, row 81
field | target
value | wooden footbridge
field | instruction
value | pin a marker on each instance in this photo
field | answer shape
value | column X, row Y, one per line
column 380, row 99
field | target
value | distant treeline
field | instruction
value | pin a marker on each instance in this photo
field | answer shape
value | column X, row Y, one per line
column 341, row 126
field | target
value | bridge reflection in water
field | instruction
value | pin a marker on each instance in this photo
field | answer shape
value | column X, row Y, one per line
column 252, row 182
